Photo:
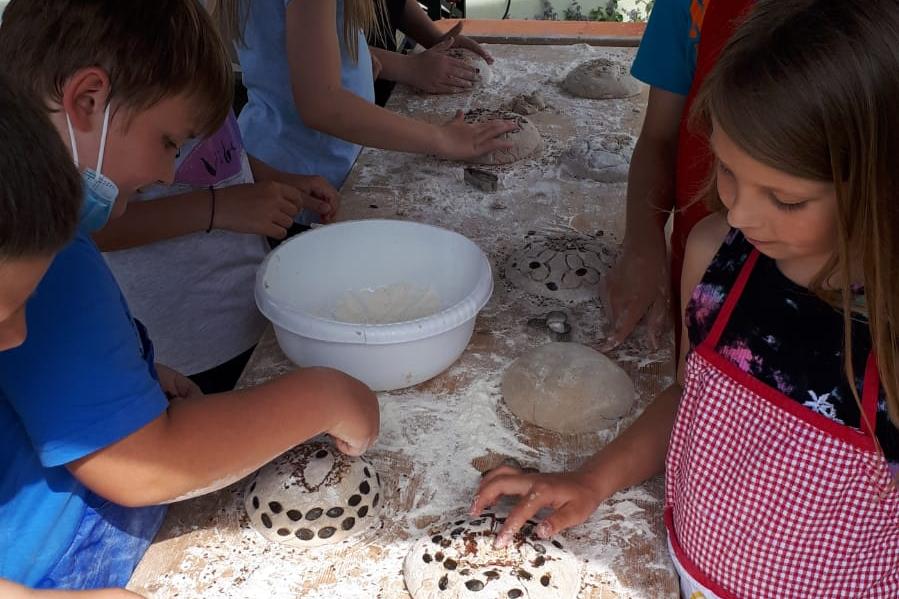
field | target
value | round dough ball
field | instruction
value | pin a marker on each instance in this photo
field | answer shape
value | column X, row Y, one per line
column 601, row 79
column 313, row 495
column 457, row 560
column 567, row 388
column 560, row 268
column 525, row 138
column 605, row 159
column 485, row 74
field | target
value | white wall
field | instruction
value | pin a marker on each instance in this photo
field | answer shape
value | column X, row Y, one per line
column 530, row 9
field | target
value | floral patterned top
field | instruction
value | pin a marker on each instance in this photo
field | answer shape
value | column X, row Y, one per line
column 787, row 337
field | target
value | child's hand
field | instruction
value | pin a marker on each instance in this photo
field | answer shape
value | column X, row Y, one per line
column 436, row 72
column 318, row 195
column 359, row 418
column 266, row 208
column 176, row 385
column 460, row 41
column 568, row 494
column 462, row 141
column 376, row 66
column 637, row 286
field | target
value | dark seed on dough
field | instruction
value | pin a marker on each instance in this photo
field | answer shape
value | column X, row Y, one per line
column 348, row 523
column 255, row 503
column 450, row 564
column 275, row 507
column 426, row 558
column 365, row 488
column 363, row 511
column 443, row 582
column 266, row 520
column 556, row 544
column 439, row 556
column 491, row 574
column 314, row 513
column 378, row 478
column 294, row 515
column 253, row 486
column 445, row 543
column 458, row 522
column 354, row 500
column 534, row 265
column 327, row 532
column 552, row 286
column 580, row 272
column 539, row 561
column 436, row 539
column 465, row 572
column 524, row 574
column 376, row 500
column 457, row 531
column 283, row 532
column 539, row 548
column 544, row 580
column 366, row 471
column 477, row 522
column 321, row 453
column 304, row 534
column 335, row 512
column 515, row 594
column 474, row 585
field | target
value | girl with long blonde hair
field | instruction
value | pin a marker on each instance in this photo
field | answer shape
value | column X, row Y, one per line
column 310, row 81
column 781, row 433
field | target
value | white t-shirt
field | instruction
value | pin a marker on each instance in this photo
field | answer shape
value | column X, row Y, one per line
column 195, row 293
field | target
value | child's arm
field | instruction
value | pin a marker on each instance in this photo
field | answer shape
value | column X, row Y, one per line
column 201, row 445
column 259, row 208
column 432, row 71
column 419, row 26
column 11, row 590
column 639, row 281
column 313, row 54
column 634, row 456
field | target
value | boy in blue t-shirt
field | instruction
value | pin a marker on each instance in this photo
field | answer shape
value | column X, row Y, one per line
column 93, row 435
column 38, row 216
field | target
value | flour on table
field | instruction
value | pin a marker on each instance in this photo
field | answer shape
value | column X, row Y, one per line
column 313, row 495
column 399, row 302
column 457, row 559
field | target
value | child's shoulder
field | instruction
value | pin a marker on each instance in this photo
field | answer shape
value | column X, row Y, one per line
column 703, row 243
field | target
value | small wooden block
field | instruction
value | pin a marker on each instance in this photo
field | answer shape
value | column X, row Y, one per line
column 481, row 179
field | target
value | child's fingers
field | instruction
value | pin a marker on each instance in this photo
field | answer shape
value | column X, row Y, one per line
column 455, row 31
column 501, row 485
column 464, row 73
column 536, row 499
column 493, row 129
column 565, row 517
column 282, row 219
column 444, row 44
column 504, row 469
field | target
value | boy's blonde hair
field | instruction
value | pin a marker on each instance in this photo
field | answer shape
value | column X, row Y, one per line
column 150, row 49
column 809, row 87
column 358, row 15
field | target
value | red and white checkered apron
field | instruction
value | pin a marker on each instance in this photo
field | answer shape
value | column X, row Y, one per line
column 767, row 498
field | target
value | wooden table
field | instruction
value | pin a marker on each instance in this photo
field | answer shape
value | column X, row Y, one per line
column 438, row 436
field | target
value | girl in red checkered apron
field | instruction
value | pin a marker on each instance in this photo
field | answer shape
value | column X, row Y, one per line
column 780, row 435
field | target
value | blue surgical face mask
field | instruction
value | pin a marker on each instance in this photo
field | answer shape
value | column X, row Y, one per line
column 100, row 192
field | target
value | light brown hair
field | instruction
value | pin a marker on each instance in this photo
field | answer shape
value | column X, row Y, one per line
column 809, row 87
column 359, row 15
column 150, row 49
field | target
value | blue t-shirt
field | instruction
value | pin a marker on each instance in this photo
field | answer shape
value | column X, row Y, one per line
column 667, row 55
column 83, row 379
column 270, row 124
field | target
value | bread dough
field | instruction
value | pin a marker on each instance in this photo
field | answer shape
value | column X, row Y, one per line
column 526, row 103
column 525, row 138
column 567, row 388
column 485, row 75
column 601, row 79
column 561, row 268
column 313, row 495
column 457, row 560
column 605, row 158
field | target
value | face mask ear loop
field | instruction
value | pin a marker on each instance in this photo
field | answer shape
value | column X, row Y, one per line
column 72, row 140
column 102, row 140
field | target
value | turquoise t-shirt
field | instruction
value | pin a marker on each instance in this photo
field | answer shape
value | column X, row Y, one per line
column 83, row 379
column 667, row 55
column 270, row 124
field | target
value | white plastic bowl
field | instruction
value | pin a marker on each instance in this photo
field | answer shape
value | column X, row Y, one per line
column 301, row 283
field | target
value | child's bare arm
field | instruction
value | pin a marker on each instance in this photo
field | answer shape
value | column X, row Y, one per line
column 11, row 590
column 313, row 54
column 204, row 444
column 639, row 281
column 634, row 456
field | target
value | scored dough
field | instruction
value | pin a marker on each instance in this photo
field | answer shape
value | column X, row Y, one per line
column 313, row 495
column 457, row 560
column 605, row 158
column 567, row 388
column 525, row 138
column 601, row 79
